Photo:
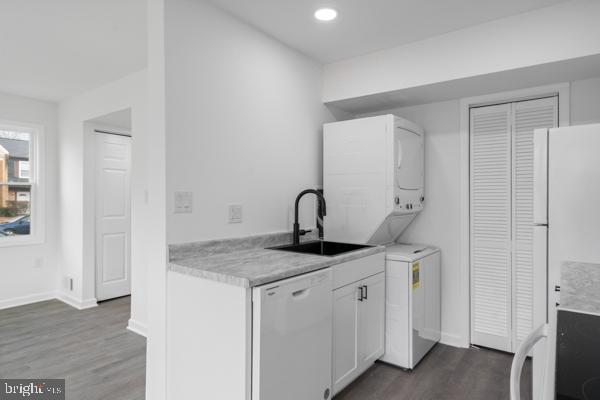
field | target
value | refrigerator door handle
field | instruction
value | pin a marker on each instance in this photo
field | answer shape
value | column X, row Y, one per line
column 540, row 176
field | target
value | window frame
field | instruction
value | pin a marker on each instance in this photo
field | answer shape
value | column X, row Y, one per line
column 36, row 182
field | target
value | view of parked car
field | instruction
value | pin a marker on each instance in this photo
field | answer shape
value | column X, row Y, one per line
column 20, row 225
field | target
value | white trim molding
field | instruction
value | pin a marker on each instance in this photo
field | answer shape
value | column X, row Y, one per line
column 564, row 100
column 453, row 340
column 76, row 303
column 24, row 300
column 137, row 327
column 36, row 298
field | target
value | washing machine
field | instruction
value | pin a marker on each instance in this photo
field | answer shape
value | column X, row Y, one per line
column 373, row 178
column 413, row 303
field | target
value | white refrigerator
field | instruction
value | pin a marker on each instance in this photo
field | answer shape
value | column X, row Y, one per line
column 566, row 227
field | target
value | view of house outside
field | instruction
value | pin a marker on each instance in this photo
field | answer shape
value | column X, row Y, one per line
column 15, row 184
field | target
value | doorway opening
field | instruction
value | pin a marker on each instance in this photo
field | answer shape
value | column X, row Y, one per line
column 111, row 143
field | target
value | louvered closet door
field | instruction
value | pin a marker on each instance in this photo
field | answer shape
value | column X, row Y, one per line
column 491, row 226
column 526, row 116
column 502, row 219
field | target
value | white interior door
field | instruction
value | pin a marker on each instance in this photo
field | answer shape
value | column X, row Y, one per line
column 491, row 226
column 113, row 216
column 527, row 116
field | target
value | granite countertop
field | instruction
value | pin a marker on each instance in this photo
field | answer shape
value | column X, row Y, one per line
column 580, row 287
column 245, row 261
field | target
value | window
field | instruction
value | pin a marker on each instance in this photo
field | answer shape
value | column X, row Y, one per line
column 17, row 182
column 24, row 169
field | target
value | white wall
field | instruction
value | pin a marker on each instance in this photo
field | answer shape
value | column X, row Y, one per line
column 440, row 222
column 565, row 31
column 21, row 282
column 244, row 121
column 76, row 254
column 156, row 358
column 585, row 102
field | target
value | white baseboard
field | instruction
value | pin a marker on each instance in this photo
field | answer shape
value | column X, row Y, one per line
column 23, row 300
column 137, row 327
column 76, row 303
column 454, row 340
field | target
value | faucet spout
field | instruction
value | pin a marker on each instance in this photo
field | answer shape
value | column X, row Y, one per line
column 296, row 234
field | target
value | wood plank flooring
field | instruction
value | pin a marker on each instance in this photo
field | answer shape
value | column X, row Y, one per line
column 446, row 373
column 100, row 359
column 91, row 349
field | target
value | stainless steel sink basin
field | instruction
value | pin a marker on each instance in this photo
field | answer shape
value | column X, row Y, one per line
column 321, row 248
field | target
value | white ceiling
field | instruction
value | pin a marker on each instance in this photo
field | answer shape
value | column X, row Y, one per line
column 54, row 49
column 364, row 26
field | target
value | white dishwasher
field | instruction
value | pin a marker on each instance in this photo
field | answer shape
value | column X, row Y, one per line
column 291, row 338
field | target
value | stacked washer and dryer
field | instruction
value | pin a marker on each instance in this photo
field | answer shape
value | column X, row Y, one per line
column 373, row 178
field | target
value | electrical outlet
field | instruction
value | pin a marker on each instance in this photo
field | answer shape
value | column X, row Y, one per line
column 235, row 213
column 38, row 263
column 183, row 202
column 68, row 283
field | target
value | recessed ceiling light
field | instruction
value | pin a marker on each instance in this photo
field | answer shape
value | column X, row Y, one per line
column 325, row 14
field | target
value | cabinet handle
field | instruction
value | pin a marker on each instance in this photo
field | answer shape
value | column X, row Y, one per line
column 360, row 288
column 366, row 292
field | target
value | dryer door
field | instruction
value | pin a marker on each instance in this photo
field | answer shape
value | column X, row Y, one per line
column 409, row 160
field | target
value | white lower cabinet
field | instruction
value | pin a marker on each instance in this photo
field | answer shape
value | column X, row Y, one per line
column 345, row 336
column 283, row 340
column 371, row 320
column 358, row 328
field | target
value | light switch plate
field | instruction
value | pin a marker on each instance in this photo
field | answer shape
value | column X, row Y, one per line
column 235, row 213
column 183, row 202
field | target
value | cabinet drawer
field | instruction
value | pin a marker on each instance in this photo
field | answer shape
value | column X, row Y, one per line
column 355, row 270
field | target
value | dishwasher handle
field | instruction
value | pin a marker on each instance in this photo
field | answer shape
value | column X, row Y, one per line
column 300, row 294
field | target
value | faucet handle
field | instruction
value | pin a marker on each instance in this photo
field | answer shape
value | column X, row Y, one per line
column 304, row 231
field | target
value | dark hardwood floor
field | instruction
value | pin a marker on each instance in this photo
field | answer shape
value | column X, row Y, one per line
column 91, row 349
column 100, row 359
column 446, row 373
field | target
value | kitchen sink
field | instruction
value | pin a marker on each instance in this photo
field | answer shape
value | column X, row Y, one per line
column 321, row 247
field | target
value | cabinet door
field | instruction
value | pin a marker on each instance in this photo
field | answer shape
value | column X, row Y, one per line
column 371, row 320
column 345, row 336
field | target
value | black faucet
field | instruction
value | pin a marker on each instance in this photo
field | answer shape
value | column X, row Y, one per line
column 297, row 230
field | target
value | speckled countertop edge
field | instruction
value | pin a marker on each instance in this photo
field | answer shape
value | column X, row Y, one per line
column 580, row 287
column 245, row 262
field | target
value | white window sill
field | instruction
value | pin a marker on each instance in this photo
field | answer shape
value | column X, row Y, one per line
column 15, row 241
